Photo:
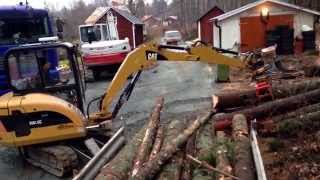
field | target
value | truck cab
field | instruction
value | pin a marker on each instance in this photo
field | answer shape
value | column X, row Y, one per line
column 20, row 25
column 101, row 47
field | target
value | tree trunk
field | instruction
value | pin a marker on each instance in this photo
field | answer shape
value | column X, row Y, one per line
column 269, row 108
column 204, row 146
column 190, row 149
column 148, row 140
column 173, row 167
column 248, row 97
column 244, row 167
column 157, row 143
column 119, row 168
column 297, row 113
column 222, row 160
column 151, row 168
column 291, row 127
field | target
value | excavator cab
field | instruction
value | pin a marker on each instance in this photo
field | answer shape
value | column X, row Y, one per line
column 46, row 68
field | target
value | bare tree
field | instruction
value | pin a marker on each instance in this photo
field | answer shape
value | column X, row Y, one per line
column 140, row 8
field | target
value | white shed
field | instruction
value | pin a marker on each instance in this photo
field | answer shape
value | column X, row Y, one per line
column 245, row 28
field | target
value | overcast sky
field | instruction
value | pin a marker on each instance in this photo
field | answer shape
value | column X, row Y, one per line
column 40, row 3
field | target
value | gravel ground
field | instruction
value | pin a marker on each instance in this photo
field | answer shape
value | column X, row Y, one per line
column 187, row 88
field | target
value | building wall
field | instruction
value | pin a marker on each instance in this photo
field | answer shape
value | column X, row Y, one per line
column 139, row 34
column 231, row 32
column 206, row 31
column 123, row 25
column 302, row 18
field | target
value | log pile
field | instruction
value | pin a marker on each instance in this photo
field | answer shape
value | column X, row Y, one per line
column 215, row 145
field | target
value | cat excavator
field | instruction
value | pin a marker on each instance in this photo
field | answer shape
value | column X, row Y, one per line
column 44, row 115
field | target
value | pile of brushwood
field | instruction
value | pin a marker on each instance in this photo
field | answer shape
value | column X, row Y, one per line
column 215, row 145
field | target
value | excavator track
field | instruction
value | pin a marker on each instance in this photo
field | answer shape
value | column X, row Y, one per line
column 57, row 160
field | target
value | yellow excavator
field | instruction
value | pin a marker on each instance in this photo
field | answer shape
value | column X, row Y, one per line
column 44, row 115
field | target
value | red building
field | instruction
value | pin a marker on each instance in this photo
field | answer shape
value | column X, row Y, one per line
column 205, row 26
column 127, row 24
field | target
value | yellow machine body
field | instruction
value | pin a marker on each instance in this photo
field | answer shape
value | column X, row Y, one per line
column 33, row 111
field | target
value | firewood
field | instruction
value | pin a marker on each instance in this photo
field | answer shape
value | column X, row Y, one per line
column 190, row 149
column 151, row 168
column 299, row 112
column 267, row 109
column 243, row 167
column 235, row 99
column 119, row 168
column 292, row 126
column 157, row 143
column 172, row 168
column 148, row 140
column 222, row 160
column 204, row 146
column 208, row 166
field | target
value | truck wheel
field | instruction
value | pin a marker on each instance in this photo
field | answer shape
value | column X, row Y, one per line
column 96, row 74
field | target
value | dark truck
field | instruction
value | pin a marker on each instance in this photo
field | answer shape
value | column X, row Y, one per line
column 20, row 25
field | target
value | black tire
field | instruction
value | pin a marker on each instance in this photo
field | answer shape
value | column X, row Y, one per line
column 96, row 74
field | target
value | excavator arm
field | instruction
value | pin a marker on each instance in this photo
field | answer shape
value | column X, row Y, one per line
column 146, row 56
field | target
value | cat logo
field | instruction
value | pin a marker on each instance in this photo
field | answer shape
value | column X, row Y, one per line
column 152, row 56
column 34, row 123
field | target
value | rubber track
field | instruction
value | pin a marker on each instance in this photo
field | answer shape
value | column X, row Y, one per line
column 57, row 160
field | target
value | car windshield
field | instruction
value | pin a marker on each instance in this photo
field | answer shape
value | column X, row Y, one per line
column 23, row 30
column 172, row 34
column 93, row 31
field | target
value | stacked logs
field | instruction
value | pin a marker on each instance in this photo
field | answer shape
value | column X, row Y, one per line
column 215, row 145
column 176, row 151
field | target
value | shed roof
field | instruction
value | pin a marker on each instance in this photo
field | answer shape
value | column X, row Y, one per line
column 204, row 14
column 254, row 4
column 101, row 11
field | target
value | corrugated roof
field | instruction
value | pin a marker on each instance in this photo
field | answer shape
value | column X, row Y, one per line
column 126, row 14
column 254, row 4
column 101, row 11
column 96, row 15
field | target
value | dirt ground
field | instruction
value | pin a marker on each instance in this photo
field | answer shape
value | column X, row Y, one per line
column 187, row 88
column 292, row 158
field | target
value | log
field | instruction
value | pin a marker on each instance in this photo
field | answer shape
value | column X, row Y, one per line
column 208, row 166
column 298, row 112
column 243, row 167
column 222, row 161
column 151, row 168
column 248, row 97
column 173, row 168
column 119, row 168
column 313, row 70
column 148, row 140
column 190, row 149
column 157, row 143
column 291, row 127
column 276, row 107
column 204, row 146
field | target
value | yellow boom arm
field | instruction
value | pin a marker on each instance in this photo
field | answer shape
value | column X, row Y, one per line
column 147, row 55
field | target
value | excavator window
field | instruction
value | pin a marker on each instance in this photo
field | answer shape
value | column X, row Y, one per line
column 52, row 69
column 24, row 71
column 35, row 70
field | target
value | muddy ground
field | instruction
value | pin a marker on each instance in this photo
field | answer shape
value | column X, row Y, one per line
column 187, row 88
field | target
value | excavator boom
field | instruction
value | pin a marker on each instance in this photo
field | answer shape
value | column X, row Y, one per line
column 145, row 57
